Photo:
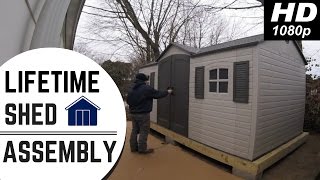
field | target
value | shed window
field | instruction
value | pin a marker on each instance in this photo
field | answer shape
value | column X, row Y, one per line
column 223, row 86
column 213, row 86
column 223, row 73
column 213, row 74
column 218, row 80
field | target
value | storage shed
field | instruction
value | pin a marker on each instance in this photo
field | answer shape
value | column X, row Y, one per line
column 245, row 97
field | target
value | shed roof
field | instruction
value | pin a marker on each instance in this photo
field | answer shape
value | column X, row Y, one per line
column 187, row 49
column 243, row 42
column 253, row 40
column 191, row 50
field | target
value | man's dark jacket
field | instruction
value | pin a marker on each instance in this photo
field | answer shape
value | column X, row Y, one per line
column 141, row 95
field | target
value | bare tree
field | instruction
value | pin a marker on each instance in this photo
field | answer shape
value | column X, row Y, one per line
column 83, row 48
column 312, row 65
column 153, row 24
column 145, row 27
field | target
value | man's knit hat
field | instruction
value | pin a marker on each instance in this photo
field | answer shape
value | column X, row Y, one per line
column 142, row 77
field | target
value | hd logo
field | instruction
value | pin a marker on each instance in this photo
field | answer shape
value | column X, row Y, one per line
column 291, row 20
column 61, row 117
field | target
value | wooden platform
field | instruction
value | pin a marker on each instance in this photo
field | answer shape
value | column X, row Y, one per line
column 241, row 167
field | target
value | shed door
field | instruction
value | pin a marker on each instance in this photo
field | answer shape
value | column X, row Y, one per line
column 173, row 110
column 163, row 105
column 180, row 98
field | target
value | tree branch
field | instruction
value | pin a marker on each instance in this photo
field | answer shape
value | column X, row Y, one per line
column 99, row 15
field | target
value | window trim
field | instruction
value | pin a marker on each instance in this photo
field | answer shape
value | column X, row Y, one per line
column 218, row 80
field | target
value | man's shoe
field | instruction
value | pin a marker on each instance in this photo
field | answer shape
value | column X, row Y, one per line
column 148, row 151
column 134, row 150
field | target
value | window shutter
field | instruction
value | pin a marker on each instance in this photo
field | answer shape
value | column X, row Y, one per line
column 241, row 82
column 199, row 83
column 152, row 75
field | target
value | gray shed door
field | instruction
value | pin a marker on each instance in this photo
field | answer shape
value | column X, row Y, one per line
column 173, row 110
column 164, row 81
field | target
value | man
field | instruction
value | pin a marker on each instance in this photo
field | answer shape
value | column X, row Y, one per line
column 140, row 98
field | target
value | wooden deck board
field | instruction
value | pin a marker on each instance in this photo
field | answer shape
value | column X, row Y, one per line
column 252, row 167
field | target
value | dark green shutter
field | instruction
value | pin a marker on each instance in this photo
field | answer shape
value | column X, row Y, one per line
column 241, row 82
column 152, row 76
column 199, row 83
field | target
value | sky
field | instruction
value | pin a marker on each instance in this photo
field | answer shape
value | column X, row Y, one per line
column 312, row 49
column 247, row 20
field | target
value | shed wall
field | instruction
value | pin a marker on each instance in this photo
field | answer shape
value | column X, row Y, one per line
column 148, row 71
column 217, row 120
column 281, row 99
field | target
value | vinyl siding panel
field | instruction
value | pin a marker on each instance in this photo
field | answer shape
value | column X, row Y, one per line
column 216, row 120
column 281, row 97
column 148, row 71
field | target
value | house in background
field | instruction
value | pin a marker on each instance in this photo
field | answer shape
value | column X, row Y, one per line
column 82, row 112
column 245, row 97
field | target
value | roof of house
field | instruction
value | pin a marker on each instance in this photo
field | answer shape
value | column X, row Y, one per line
column 243, row 42
column 83, row 98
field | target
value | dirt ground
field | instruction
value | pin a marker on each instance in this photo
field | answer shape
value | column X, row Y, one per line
column 177, row 162
column 166, row 163
column 304, row 163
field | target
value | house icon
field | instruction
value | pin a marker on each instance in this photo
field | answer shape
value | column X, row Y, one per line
column 82, row 112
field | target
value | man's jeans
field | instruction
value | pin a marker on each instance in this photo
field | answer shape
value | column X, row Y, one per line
column 141, row 126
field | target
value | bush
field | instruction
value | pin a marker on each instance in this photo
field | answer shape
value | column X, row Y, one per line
column 312, row 110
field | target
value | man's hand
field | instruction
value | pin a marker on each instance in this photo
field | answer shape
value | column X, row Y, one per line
column 170, row 90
